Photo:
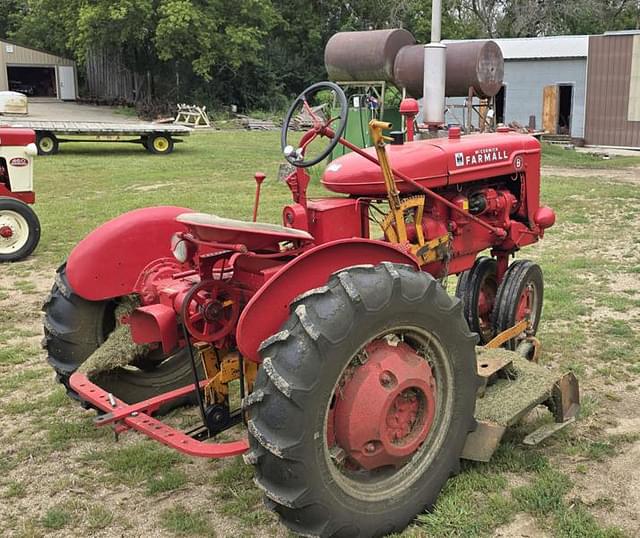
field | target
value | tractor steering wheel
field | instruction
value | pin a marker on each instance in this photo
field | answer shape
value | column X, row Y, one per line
column 320, row 126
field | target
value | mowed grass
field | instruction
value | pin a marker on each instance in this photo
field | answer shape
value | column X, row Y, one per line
column 87, row 184
column 557, row 155
column 60, row 475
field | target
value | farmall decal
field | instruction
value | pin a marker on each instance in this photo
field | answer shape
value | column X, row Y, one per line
column 481, row 156
column 18, row 161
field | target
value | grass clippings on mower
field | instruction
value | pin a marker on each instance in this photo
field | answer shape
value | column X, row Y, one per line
column 119, row 349
column 522, row 385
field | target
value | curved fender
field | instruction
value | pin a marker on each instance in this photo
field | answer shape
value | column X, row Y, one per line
column 268, row 309
column 107, row 262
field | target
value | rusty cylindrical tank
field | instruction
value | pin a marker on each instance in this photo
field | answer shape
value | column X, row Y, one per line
column 473, row 63
column 364, row 56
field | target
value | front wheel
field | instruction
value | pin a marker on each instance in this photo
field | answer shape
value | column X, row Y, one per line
column 19, row 230
column 477, row 289
column 519, row 297
column 363, row 403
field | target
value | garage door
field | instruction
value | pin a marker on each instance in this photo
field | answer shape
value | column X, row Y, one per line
column 33, row 81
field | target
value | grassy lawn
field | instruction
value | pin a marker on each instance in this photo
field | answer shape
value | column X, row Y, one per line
column 556, row 155
column 61, row 476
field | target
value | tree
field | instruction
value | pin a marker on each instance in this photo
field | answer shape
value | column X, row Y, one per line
column 12, row 11
column 258, row 53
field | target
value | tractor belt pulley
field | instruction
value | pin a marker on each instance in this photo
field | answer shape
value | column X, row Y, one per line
column 211, row 310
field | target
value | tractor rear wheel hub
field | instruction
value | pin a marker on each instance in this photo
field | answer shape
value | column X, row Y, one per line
column 385, row 408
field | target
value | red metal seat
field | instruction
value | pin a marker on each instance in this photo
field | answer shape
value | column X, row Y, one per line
column 253, row 235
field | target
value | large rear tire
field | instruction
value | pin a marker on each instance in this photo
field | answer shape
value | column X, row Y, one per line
column 74, row 328
column 303, row 375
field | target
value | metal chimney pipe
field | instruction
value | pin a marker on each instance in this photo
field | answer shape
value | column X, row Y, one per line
column 436, row 21
column 435, row 66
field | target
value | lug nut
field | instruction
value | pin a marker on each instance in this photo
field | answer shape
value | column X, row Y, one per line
column 370, row 448
column 387, row 379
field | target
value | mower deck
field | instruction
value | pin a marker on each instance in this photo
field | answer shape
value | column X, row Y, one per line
column 512, row 386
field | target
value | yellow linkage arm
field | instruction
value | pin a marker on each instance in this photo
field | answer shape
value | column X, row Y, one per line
column 375, row 129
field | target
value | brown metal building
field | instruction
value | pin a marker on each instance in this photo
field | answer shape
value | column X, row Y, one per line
column 613, row 90
column 36, row 73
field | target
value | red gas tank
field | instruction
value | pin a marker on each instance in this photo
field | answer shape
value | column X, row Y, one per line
column 434, row 163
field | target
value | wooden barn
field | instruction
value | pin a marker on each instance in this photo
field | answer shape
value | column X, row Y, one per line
column 36, row 73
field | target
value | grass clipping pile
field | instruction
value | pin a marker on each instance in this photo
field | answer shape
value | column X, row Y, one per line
column 119, row 349
column 525, row 384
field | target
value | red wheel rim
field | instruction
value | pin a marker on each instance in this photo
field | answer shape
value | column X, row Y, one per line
column 383, row 409
column 526, row 303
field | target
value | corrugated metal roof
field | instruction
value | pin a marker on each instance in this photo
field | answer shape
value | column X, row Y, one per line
column 622, row 32
column 528, row 48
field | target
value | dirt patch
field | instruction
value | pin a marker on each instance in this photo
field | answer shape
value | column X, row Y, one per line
column 611, row 490
column 147, row 188
column 626, row 426
column 523, row 526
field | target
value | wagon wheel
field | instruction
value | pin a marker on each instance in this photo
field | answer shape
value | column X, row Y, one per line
column 305, row 152
column 19, row 230
column 363, row 403
column 477, row 288
column 159, row 144
column 210, row 310
column 47, row 143
column 519, row 297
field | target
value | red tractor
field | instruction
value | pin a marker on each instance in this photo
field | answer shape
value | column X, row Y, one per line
column 19, row 224
column 358, row 373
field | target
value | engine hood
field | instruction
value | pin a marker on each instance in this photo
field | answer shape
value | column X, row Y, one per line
column 352, row 174
column 433, row 163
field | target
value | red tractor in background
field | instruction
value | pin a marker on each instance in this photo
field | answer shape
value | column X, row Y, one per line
column 19, row 224
column 358, row 373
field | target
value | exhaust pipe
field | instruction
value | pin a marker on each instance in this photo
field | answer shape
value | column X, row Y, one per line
column 435, row 66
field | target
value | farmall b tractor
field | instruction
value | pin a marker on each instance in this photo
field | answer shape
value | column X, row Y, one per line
column 19, row 224
column 357, row 373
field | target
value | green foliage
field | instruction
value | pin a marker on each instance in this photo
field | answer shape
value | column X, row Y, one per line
column 259, row 53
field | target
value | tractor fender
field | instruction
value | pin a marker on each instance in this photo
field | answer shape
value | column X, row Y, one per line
column 268, row 309
column 108, row 261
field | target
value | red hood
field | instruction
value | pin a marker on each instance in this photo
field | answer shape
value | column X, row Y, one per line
column 16, row 137
column 432, row 163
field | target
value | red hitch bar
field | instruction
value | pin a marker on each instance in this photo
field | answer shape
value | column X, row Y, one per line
column 135, row 417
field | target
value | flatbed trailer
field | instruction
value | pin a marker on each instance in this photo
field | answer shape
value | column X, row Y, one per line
column 156, row 138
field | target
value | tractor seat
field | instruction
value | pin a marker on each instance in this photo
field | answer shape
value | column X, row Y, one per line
column 254, row 235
